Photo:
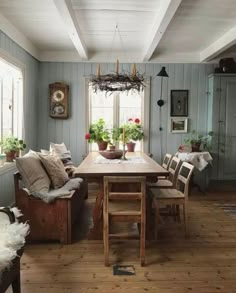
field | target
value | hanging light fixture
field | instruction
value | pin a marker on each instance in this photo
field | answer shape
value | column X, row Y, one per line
column 162, row 74
column 118, row 81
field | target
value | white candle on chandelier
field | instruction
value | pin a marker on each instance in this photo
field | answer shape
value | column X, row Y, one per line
column 123, row 135
column 99, row 71
column 117, row 66
column 134, row 71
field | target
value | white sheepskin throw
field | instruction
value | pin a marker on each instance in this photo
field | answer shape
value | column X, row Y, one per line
column 12, row 238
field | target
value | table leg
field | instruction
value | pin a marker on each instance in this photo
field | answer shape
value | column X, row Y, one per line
column 96, row 233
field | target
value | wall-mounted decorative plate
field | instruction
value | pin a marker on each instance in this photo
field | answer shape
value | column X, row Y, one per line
column 58, row 100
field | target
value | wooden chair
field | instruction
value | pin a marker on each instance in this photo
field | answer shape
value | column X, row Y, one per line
column 165, row 164
column 175, row 197
column 170, row 181
column 166, row 161
column 124, row 206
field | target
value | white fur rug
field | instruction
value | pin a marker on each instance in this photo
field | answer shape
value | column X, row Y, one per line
column 12, row 238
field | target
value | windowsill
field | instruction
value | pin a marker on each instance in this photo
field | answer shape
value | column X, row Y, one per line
column 7, row 167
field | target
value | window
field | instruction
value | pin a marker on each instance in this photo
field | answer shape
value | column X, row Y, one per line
column 11, row 100
column 116, row 108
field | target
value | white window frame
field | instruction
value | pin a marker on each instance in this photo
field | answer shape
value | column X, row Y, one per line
column 20, row 66
column 145, row 117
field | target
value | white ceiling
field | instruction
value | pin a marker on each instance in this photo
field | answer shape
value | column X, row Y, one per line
column 150, row 30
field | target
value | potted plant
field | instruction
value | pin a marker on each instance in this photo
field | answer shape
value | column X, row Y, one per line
column 116, row 136
column 196, row 140
column 98, row 133
column 11, row 146
column 133, row 131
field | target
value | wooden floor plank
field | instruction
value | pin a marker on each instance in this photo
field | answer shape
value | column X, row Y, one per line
column 204, row 263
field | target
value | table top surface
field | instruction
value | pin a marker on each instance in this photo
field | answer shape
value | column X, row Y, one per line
column 143, row 166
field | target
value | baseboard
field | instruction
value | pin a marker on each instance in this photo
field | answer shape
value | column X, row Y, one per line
column 222, row 185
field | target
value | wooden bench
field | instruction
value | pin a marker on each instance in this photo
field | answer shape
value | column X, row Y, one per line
column 49, row 221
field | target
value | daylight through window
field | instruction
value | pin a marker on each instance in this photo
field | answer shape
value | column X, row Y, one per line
column 11, row 100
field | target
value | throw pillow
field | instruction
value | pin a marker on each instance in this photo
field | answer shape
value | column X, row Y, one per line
column 33, row 174
column 61, row 151
column 55, row 170
column 57, row 149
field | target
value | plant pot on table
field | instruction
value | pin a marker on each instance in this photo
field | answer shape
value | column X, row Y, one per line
column 196, row 146
column 102, row 145
column 131, row 146
column 10, row 156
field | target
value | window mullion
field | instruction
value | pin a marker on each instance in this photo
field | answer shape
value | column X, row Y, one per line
column 1, row 109
column 12, row 107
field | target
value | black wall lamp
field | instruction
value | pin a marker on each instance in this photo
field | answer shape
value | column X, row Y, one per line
column 162, row 74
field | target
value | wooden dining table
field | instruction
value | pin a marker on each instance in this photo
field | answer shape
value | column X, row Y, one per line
column 94, row 167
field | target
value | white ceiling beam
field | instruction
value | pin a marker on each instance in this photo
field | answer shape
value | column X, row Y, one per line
column 68, row 16
column 163, row 18
column 12, row 32
column 220, row 45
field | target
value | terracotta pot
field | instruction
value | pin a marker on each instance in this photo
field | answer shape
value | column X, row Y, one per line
column 112, row 147
column 131, row 146
column 10, row 156
column 102, row 145
column 196, row 147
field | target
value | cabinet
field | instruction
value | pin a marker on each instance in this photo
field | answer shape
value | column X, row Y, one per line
column 222, row 120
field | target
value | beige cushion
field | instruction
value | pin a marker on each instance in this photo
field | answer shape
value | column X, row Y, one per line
column 33, row 174
column 57, row 149
column 55, row 170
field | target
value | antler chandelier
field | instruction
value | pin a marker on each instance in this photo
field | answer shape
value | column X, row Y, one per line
column 117, row 81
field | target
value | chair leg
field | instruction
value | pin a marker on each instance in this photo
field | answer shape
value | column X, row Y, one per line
column 106, row 240
column 142, row 244
column 16, row 284
column 185, row 215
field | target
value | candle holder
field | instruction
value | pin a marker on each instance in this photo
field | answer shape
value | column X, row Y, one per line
column 123, row 155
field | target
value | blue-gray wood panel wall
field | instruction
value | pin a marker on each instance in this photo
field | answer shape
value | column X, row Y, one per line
column 71, row 131
column 40, row 129
column 30, row 108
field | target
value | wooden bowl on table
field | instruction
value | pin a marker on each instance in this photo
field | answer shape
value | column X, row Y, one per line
column 110, row 154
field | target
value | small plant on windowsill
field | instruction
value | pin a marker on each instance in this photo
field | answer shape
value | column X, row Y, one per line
column 98, row 133
column 133, row 131
column 199, row 141
column 11, row 146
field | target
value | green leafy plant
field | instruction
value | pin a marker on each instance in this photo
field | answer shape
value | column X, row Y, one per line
column 133, row 130
column 116, row 135
column 11, row 143
column 98, row 132
column 196, row 138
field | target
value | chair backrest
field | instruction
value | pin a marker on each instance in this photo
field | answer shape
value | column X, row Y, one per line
column 184, row 177
column 166, row 161
column 174, row 169
column 125, row 188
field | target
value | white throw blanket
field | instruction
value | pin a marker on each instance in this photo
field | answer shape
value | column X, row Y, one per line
column 12, row 238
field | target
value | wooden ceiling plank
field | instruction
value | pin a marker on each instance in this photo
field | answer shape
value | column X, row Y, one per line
column 220, row 45
column 163, row 18
column 68, row 16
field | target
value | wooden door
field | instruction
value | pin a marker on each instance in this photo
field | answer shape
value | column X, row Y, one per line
column 227, row 129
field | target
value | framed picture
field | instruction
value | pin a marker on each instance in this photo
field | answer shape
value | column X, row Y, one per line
column 179, row 103
column 58, row 100
column 179, row 125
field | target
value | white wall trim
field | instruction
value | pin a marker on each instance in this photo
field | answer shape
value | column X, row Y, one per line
column 12, row 32
column 67, row 14
column 163, row 18
column 219, row 46
column 7, row 167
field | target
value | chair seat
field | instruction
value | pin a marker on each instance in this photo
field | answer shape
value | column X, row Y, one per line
column 161, row 178
column 166, row 193
column 163, row 183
